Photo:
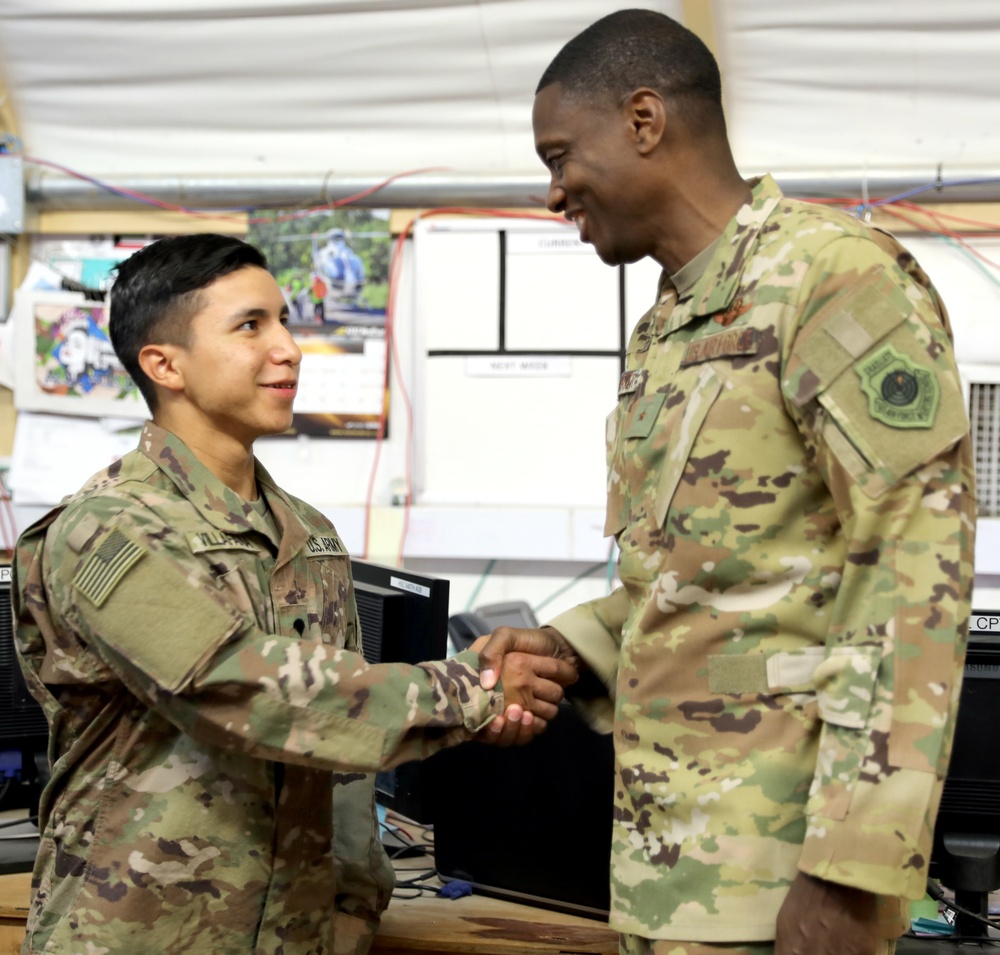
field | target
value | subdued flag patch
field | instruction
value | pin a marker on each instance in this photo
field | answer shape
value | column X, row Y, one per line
column 104, row 566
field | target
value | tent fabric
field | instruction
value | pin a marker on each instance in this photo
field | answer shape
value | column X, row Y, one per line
column 339, row 88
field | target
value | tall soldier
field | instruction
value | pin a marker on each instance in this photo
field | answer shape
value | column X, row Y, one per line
column 790, row 485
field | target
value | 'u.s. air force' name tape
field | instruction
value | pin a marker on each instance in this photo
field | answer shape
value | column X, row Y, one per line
column 105, row 565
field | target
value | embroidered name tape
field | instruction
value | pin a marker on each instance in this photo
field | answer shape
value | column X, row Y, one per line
column 318, row 546
column 102, row 569
column 201, row 541
column 736, row 342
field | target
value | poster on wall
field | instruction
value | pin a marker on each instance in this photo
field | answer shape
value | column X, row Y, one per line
column 64, row 359
column 333, row 269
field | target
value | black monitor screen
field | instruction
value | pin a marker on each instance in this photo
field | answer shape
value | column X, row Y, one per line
column 404, row 619
column 966, row 855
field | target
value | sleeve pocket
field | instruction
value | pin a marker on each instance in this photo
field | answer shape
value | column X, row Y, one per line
column 845, row 685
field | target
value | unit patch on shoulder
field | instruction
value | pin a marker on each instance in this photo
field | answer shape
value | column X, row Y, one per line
column 105, row 565
column 901, row 393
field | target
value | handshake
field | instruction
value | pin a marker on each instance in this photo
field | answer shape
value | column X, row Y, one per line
column 535, row 666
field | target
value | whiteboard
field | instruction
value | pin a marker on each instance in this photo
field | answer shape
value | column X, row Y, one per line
column 520, row 340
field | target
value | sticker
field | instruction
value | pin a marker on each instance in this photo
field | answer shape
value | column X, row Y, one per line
column 630, row 381
column 105, row 566
column 901, row 393
column 739, row 341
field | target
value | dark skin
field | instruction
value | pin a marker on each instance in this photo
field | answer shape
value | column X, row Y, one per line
column 533, row 688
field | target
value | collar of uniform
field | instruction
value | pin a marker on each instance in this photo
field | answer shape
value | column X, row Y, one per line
column 719, row 282
column 221, row 506
column 294, row 531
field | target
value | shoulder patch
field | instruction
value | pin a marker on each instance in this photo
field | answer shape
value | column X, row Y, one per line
column 901, row 393
column 106, row 565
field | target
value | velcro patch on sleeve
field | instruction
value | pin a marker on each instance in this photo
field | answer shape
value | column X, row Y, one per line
column 102, row 569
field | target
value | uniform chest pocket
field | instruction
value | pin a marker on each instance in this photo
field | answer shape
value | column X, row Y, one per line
column 336, row 614
column 628, row 427
column 642, row 415
column 683, row 425
column 314, row 599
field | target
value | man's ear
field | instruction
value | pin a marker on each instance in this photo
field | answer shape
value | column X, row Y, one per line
column 160, row 364
column 647, row 117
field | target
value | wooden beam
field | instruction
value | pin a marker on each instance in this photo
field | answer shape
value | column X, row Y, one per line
column 699, row 18
column 965, row 218
column 400, row 219
column 8, row 115
column 132, row 222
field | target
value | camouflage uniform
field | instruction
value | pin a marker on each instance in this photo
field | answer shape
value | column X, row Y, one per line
column 791, row 487
column 181, row 650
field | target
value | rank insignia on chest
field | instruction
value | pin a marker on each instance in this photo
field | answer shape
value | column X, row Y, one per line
column 736, row 342
column 901, row 393
column 732, row 313
column 630, row 381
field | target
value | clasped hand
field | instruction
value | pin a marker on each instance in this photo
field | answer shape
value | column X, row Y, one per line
column 534, row 666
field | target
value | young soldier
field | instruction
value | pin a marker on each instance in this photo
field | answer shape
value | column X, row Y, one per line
column 791, row 488
column 191, row 632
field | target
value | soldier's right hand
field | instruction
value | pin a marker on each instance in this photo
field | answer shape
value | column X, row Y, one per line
column 545, row 641
column 535, row 666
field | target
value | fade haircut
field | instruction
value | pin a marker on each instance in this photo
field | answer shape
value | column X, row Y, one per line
column 630, row 49
column 157, row 291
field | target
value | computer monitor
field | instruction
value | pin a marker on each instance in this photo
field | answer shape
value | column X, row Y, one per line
column 24, row 731
column 404, row 619
column 966, row 854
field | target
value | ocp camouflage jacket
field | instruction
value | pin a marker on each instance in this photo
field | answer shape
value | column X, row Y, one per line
column 790, row 483
column 213, row 723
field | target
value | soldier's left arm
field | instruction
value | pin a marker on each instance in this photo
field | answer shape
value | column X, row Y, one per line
column 872, row 384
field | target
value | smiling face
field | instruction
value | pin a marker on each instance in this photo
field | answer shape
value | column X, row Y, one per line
column 240, row 368
column 597, row 175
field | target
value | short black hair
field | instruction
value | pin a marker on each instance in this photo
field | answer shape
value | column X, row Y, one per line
column 155, row 293
column 634, row 48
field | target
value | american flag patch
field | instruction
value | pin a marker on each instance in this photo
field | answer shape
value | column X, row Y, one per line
column 105, row 566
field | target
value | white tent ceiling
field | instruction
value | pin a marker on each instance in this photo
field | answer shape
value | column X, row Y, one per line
column 335, row 90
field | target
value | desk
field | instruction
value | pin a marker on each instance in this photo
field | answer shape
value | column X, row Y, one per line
column 15, row 891
column 474, row 925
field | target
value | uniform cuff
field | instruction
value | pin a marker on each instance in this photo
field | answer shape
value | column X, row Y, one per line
column 883, row 844
column 352, row 935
